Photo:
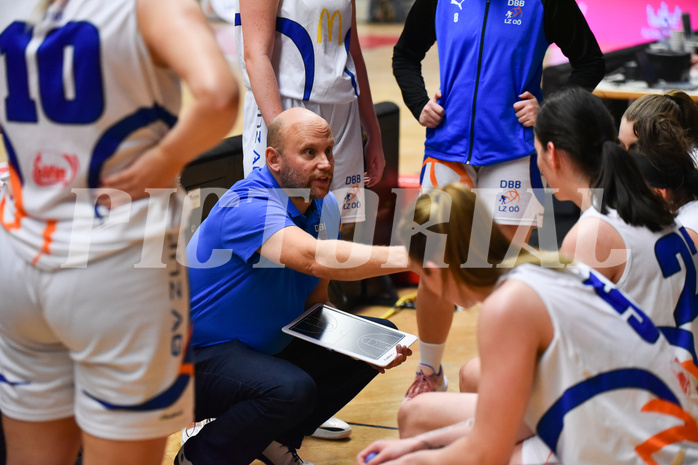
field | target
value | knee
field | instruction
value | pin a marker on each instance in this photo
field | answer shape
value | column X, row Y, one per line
column 293, row 395
column 412, row 416
column 469, row 375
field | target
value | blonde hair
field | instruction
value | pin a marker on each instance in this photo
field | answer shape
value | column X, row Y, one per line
column 456, row 231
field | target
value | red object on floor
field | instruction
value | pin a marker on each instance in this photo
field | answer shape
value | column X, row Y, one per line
column 369, row 41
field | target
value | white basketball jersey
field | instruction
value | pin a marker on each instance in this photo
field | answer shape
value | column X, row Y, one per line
column 79, row 98
column 311, row 50
column 660, row 275
column 688, row 215
column 608, row 389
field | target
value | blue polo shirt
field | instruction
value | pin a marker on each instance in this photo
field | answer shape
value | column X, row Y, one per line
column 236, row 293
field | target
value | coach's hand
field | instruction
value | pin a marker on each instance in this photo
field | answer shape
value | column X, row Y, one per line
column 402, row 353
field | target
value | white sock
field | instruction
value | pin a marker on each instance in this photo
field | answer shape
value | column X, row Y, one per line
column 430, row 355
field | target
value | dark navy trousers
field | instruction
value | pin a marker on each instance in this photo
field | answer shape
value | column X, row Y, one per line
column 258, row 398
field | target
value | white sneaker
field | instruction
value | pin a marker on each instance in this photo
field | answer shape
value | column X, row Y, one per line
column 278, row 454
column 193, row 430
column 334, row 428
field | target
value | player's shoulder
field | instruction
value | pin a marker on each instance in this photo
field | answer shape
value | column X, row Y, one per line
column 518, row 309
column 515, row 293
column 591, row 229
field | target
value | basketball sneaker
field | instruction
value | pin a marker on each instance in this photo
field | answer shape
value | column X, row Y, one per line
column 334, row 428
column 193, row 430
column 428, row 381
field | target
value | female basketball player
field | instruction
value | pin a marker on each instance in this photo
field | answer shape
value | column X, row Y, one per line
column 676, row 104
column 663, row 155
column 564, row 354
column 626, row 232
column 94, row 310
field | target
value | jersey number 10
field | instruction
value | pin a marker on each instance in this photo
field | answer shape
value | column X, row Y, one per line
column 69, row 70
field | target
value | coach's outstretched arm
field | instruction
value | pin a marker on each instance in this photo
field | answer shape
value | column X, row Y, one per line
column 333, row 259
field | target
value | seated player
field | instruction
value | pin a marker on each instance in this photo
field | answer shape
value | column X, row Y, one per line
column 564, row 353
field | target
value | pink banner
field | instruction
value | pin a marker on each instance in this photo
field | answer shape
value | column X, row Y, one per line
column 619, row 24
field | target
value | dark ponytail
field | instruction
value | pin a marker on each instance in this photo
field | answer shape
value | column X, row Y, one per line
column 692, row 182
column 624, row 189
column 577, row 122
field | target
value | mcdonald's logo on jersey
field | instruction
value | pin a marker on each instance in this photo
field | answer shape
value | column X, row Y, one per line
column 330, row 26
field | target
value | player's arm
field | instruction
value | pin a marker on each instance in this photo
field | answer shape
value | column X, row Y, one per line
column 375, row 159
column 566, row 26
column 417, row 37
column 514, row 329
column 258, row 18
column 196, row 58
column 332, row 259
column 597, row 244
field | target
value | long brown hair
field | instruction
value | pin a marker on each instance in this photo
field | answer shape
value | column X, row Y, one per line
column 452, row 229
column 675, row 103
column 663, row 155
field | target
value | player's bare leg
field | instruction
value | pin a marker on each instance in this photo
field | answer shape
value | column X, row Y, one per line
column 54, row 442
column 469, row 375
column 98, row 451
column 434, row 318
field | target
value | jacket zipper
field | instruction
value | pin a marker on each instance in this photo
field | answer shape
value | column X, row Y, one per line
column 477, row 82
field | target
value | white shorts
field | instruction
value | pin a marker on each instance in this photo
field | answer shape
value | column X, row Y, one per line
column 343, row 118
column 107, row 344
column 535, row 452
column 513, row 190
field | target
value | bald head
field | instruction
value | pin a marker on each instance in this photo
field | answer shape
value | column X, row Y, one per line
column 293, row 120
